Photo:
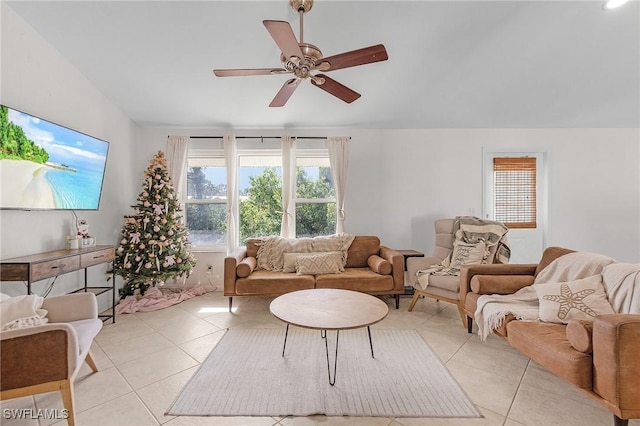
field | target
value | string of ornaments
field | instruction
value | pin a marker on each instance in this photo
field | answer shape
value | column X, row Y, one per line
column 154, row 244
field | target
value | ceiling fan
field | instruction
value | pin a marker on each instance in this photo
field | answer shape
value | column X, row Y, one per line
column 301, row 59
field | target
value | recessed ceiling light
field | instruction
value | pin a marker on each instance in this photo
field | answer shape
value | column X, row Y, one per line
column 612, row 4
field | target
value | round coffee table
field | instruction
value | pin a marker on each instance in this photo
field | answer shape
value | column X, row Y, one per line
column 329, row 309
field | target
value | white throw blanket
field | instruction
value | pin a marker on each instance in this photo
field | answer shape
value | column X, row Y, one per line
column 523, row 304
column 22, row 312
column 622, row 284
column 270, row 255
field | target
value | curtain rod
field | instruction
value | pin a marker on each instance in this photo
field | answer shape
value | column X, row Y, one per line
column 260, row 137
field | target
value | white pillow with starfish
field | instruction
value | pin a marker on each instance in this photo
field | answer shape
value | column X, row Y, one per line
column 582, row 299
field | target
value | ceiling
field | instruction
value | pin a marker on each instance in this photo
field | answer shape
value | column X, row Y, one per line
column 452, row 64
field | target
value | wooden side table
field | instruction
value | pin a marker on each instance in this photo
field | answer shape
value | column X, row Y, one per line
column 408, row 289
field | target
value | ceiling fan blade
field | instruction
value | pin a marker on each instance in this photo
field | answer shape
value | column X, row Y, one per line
column 285, row 92
column 245, row 72
column 284, row 37
column 336, row 89
column 354, row 58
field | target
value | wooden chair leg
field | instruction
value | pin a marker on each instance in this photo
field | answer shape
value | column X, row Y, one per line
column 416, row 296
column 463, row 316
column 91, row 362
column 66, row 389
column 469, row 325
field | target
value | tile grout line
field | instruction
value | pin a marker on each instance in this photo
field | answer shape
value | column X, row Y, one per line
column 515, row 395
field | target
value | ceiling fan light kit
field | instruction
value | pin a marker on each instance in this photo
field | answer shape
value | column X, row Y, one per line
column 301, row 59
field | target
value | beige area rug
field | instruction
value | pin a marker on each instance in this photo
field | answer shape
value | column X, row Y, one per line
column 246, row 375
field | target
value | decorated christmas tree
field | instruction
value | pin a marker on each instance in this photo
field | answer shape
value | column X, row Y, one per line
column 154, row 243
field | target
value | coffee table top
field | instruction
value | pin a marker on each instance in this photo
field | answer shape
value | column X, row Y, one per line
column 329, row 309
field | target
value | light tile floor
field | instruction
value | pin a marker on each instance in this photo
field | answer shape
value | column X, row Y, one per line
column 146, row 358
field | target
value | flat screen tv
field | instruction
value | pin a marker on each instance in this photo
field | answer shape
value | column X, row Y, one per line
column 45, row 166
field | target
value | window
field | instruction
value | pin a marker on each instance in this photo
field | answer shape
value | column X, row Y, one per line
column 315, row 195
column 259, row 184
column 206, row 202
column 515, row 191
column 260, row 191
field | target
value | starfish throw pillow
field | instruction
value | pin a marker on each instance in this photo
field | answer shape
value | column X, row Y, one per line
column 582, row 299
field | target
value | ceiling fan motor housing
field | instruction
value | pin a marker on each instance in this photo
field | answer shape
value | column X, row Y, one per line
column 311, row 55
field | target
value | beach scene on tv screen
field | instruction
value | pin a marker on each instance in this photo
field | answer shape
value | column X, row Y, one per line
column 47, row 166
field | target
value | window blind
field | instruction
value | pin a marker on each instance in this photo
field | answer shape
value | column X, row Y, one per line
column 515, row 191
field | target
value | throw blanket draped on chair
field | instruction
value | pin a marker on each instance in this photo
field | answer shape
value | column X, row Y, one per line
column 471, row 230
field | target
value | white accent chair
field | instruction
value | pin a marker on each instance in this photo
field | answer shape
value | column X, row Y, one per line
column 47, row 357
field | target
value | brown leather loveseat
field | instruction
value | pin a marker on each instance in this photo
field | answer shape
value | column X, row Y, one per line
column 600, row 357
column 370, row 268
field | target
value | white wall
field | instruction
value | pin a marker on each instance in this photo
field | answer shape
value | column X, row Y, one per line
column 38, row 80
column 400, row 181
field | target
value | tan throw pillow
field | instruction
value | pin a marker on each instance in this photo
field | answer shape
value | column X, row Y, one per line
column 581, row 299
column 319, row 263
column 379, row 265
column 290, row 261
column 245, row 267
column 467, row 254
column 580, row 335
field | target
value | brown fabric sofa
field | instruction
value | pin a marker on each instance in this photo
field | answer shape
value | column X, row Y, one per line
column 599, row 357
column 365, row 271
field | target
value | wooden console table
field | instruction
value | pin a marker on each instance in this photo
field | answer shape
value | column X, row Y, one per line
column 50, row 264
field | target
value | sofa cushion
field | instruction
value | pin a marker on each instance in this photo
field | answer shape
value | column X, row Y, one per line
column 245, row 267
column 361, row 248
column 579, row 299
column 446, row 282
column 548, row 345
column 270, row 283
column 580, row 335
column 319, row 263
column 358, row 279
column 379, row 265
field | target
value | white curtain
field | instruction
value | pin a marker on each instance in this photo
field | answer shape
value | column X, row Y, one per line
column 177, row 147
column 230, row 159
column 339, row 160
column 288, row 228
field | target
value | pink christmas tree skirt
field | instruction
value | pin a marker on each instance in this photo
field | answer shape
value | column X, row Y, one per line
column 155, row 298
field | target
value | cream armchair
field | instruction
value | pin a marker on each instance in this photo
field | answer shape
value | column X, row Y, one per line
column 446, row 287
column 47, row 358
column 442, row 287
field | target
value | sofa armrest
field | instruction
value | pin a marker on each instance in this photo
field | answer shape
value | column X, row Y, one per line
column 467, row 272
column 230, row 263
column 616, row 370
column 37, row 355
column 415, row 264
column 397, row 263
column 71, row 307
